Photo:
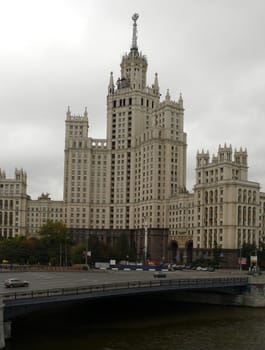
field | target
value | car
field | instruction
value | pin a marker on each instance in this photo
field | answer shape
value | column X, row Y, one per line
column 178, row 267
column 16, row 282
column 160, row 274
column 211, row 268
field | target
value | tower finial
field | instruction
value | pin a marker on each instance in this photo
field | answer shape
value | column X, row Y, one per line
column 156, row 85
column 167, row 95
column 111, row 84
column 68, row 113
column 134, row 39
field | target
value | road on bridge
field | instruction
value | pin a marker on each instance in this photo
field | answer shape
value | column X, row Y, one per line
column 50, row 280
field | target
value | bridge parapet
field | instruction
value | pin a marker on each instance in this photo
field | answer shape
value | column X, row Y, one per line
column 119, row 288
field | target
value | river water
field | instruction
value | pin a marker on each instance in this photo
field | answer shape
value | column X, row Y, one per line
column 140, row 323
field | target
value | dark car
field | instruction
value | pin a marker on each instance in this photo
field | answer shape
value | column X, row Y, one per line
column 15, row 282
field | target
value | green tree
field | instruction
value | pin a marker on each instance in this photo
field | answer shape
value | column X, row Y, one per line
column 57, row 242
column 247, row 250
column 15, row 250
column 121, row 248
column 38, row 252
column 77, row 253
column 217, row 255
column 99, row 251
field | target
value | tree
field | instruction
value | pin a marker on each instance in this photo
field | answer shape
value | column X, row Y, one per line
column 217, row 255
column 57, row 241
column 247, row 250
column 122, row 249
column 261, row 255
column 77, row 253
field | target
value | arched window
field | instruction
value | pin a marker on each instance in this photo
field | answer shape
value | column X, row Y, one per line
column 244, row 196
column 239, row 217
column 239, row 195
column 254, row 216
column 249, row 196
column 211, row 216
column 206, row 197
column 244, row 216
column 249, row 216
column 254, row 196
column 216, row 196
column 206, row 217
column 211, row 196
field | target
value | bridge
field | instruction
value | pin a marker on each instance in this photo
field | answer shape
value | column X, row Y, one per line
column 15, row 303
column 28, row 298
column 22, row 302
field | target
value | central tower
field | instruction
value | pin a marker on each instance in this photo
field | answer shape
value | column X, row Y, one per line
column 148, row 145
column 124, row 183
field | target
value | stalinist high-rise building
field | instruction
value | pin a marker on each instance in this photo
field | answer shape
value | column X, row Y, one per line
column 126, row 180
column 134, row 180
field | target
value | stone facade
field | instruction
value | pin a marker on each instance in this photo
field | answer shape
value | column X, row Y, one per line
column 41, row 210
column 13, row 204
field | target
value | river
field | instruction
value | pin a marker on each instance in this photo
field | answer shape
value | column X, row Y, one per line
column 140, row 323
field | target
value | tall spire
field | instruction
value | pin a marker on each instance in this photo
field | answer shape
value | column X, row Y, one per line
column 134, row 38
column 167, row 95
column 111, row 84
column 156, row 85
column 180, row 101
column 85, row 112
column 68, row 113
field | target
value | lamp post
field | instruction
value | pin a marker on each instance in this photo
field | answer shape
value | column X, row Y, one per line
column 145, row 238
column 240, row 258
column 86, row 251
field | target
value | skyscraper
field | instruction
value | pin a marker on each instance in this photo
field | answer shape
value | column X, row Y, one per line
column 126, row 180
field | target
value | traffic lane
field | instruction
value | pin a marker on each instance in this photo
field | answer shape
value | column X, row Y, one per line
column 50, row 280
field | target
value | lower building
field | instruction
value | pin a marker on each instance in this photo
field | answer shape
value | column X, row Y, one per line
column 13, row 204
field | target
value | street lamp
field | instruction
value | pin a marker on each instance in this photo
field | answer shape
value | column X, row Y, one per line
column 240, row 258
column 145, row 238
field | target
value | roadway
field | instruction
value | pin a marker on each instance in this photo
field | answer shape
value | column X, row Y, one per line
column 50, row 280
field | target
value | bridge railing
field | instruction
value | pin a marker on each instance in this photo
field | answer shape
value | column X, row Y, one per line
column 148, row 284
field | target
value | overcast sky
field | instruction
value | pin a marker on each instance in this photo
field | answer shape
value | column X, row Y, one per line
column 55, row 53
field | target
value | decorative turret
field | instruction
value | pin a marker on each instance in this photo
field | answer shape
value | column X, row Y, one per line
column 167, row 95
column 20, row 175
column 111, row 84
column 180, row 101
column 68, row 113
column 202, row 158
column 85, row 113
column 156, row 85
column 241, row 157
column 225, row 153
column 2, row 174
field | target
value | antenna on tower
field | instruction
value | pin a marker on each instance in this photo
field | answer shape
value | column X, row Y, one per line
column 134, row 38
